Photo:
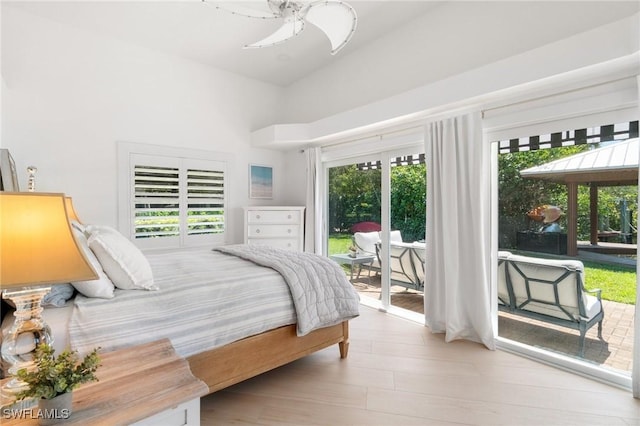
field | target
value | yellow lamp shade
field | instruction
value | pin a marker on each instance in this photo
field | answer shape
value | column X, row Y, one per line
column 37, row 246
column 71, row 212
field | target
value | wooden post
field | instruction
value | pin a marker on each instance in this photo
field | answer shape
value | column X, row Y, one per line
column 593, row 212
column 572, row 219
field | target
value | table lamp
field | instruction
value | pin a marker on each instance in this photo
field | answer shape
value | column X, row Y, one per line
column 37, row 250
column 71, row 212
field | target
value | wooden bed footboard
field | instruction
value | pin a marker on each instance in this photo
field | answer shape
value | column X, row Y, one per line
column 246, row 358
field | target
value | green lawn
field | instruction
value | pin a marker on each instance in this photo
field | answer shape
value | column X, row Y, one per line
column 339, row 243
column 617, row 283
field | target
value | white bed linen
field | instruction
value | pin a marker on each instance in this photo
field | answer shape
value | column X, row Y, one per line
column 322, row 295
column 205, row 300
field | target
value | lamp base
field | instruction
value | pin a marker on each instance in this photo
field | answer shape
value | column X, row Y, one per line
column 27, row 332
column 13, row 387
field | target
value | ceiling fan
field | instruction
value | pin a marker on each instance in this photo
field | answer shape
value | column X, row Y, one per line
column 336, row 19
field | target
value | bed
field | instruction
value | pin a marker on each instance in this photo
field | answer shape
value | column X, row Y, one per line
column 230, row 317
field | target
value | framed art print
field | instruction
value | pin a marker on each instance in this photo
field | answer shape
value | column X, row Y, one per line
column 260, row 181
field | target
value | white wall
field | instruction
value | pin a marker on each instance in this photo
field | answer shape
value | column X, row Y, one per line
column 296, row 170
column 610, row 50
column 454, row 38
column 70, row 95
column 608, row 46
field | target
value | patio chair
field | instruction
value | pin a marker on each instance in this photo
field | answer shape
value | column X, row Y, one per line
column 550, row 290
column 504, row 295
column 407, row 263
column 365, row 244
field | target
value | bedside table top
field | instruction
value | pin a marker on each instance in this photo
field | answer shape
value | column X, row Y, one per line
column 134, row 383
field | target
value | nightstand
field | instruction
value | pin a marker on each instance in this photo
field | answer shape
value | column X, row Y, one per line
column 142, row 385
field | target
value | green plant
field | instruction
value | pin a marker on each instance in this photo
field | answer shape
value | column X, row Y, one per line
column 55, row 376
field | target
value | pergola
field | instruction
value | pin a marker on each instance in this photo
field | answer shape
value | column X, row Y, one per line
column 612, row 165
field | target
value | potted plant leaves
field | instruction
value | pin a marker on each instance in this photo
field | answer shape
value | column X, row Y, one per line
column 54, row 379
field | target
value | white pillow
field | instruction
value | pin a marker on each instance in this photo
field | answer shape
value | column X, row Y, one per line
column 123, row 262
column 395, row 236
column 102, row 287
column 366, row 241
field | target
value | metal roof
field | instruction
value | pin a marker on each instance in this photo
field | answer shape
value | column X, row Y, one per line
column 614, row 164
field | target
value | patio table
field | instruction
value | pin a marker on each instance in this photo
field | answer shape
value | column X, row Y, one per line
column 346, row 259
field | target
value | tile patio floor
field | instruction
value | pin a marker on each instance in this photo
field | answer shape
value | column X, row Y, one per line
column 614, row 351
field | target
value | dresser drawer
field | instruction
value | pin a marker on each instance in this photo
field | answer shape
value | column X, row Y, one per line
column 273, row 216
column 282, row 243
column 275, row 226
column 273, row 231
column 185, row 414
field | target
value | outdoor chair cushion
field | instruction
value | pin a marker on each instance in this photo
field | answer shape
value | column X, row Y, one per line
column 407, row 266
column 550, row 290
column 365, row 242
column 541, row 296
column 395, row 236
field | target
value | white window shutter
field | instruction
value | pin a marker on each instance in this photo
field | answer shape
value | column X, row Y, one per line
column 156, row 201
column 176, row 202
column 205, row 202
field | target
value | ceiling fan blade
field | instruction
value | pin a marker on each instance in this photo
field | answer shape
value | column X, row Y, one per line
column 289, row 29
column 260, row 10
column 336, row 19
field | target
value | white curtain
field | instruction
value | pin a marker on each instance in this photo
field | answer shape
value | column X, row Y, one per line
column 312, row 230
column 635, row 372
column 635, row 369
column 457, row 284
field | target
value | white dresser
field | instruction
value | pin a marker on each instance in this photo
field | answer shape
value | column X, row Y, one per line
column 281, row 226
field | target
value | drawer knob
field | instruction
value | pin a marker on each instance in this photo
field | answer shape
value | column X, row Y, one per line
column 289, row 217
column 289, row 231
column 257, row 216
column 257, row 231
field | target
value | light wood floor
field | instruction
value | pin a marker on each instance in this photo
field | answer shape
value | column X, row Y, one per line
column 399, row 373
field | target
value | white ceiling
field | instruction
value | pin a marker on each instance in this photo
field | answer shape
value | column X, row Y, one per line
column 200, row 32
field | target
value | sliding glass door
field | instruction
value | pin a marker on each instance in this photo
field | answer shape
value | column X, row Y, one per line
column 353, row 220
column 568, row 226
column 376, row 226
column 406, row 231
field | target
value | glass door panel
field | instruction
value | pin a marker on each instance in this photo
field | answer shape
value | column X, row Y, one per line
column 537, row 282
column 376, row 216
column 354, row 221
column 407, row 219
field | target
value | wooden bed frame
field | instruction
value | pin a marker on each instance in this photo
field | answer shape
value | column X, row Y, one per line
column 246, row 358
